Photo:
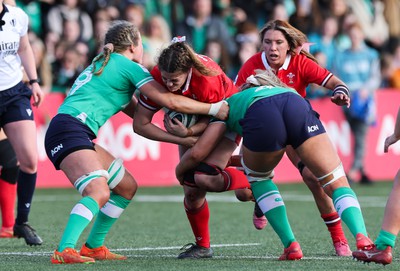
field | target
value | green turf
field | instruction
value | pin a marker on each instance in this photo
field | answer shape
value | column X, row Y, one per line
column 154, row 227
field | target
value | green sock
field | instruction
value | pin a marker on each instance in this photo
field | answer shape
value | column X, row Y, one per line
column 80, row 216
column 270, row 201
column 385, row 239
column 348, row 208
column 106, row 218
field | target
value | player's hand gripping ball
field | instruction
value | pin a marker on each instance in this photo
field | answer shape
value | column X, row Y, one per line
column 187, row 120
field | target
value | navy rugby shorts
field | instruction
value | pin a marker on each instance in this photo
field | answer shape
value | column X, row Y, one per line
column 15, row 104
column 66, row 135
column 272, row 123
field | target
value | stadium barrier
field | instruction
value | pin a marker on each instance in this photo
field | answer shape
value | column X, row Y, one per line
column 153, row 163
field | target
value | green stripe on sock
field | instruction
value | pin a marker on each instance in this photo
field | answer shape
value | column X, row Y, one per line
column 277, row 216
column 103, row 222
column 77, row 223
column 352, row 215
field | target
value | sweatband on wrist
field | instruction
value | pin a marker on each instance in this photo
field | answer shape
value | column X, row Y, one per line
column 341, row 89
column 215, row 107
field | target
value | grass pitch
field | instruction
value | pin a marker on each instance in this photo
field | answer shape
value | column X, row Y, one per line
column 154, row 227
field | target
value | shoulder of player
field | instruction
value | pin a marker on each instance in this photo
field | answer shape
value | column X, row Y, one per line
column 17, row 12
column 126, row 64
column 302, row 62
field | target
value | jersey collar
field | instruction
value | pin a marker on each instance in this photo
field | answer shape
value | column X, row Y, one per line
column 3, row 12
column 283, row 67
column 189, row 78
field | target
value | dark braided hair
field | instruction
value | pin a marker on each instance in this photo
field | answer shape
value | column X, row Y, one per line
column 180, row 57
column 118, row 38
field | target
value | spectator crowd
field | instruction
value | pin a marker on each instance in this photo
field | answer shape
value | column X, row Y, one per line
column 66, row 34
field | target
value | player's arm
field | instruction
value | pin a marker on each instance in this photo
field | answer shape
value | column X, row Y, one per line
column 28, row 62
column 203, row 147
column 179, row 103
column 143, row 126
column 340, row 94
column 177, row 128
column 396, row 134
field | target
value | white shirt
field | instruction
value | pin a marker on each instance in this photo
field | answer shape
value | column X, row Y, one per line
column 16, row 26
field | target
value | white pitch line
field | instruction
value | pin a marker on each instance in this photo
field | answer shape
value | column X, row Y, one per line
column 265, row 257
column 368, row 201
column 45, row 253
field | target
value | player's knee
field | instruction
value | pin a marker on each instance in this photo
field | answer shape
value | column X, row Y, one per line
column 132, row 189
column 83, row 182
column 116, row 173
column 333, row 176
column 193, row 197
column 309, row 179
column 188, row 179
column 202, row 174
column 127, row 188
column 207, row 169
column 244, row 194
column 257, row 176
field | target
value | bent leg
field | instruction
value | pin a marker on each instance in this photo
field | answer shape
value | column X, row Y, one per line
column 221, row 178
column 79, row 167
column 322, row 200
column 257, row 166
column 123, row 188
column 324, row 204
column 319, row 155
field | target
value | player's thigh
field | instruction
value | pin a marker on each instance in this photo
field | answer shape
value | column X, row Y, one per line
column 22, row 136
column 222, row 153
column 79, row 163
column 261, row 161
column 319, row 155
column 127, row 186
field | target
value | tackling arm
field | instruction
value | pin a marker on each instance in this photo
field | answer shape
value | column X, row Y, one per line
column 179, row 103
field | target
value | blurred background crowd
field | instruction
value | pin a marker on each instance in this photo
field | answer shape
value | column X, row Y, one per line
column 66, row 34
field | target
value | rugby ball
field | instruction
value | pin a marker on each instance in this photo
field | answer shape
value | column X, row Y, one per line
column 187, row 119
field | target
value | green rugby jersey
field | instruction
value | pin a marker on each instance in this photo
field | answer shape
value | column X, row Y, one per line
column 94, row 99
column 241, row 101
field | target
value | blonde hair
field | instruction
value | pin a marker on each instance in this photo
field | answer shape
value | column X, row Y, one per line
column 295, row 38
column 263, row 78
column 118, row 38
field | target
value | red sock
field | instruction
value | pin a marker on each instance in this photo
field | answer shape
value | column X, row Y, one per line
column 333, row 222
column 199, row 222
column 234, row 179
column 7, row 203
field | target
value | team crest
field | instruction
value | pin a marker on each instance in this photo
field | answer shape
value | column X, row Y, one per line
column 290, row 76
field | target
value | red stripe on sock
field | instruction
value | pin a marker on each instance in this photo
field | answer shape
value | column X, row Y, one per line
column 334, row 227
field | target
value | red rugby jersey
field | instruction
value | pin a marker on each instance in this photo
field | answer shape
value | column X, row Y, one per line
column 296, row 72
column 207, row 89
